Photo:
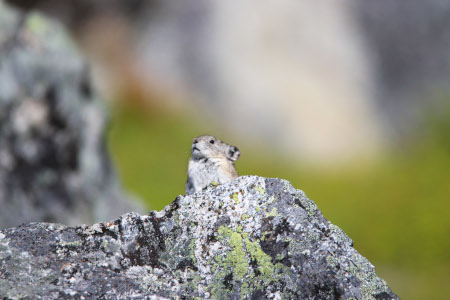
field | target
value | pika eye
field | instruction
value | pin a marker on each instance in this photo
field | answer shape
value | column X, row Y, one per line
column 211, row 141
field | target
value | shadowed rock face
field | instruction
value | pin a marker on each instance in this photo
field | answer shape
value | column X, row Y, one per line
column 255, row 238
column 53, row 163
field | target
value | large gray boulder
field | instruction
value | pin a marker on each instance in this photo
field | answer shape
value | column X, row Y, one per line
column 54, row 166
column 255, row 238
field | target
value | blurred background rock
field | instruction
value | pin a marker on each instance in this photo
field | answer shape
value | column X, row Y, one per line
column 349, row 100
column 54, row 166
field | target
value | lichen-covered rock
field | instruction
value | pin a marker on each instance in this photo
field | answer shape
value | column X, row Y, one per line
column 255, row 238
column 53, row 162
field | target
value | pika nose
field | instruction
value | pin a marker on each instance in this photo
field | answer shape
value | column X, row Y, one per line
column 195, row 141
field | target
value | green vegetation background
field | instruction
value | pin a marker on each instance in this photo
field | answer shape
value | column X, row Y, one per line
column 396, row 210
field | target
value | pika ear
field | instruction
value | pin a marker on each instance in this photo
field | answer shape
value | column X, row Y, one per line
column 234, row 153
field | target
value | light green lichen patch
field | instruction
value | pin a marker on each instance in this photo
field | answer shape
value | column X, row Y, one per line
column 272, row 213
column 236, row 261
column 244, row 217
column 191, row 252
column 235, row 197
column 264, row 261
column 214, row 184
column 260, row 189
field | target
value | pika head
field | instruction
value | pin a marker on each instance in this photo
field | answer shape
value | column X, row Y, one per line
column 207, row 146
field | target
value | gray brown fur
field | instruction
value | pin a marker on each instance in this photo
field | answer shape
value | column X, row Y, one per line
column 212, row 161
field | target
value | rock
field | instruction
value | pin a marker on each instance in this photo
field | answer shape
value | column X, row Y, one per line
column 79, row 13
column 254, row 238
column 53, row 163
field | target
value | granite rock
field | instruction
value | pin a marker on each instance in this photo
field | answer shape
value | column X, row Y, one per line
column 54, row 166
column 254, row 238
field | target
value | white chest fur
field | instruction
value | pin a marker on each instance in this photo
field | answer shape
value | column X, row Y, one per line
column 203, row 172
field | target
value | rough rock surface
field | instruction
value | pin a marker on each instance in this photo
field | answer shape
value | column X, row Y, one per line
column 53, row 162
column 255, row 238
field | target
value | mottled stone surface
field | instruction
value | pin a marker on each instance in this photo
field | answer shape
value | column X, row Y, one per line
column 255, row 238
column 53, row 163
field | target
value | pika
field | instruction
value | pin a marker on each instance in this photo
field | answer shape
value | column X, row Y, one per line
column 212, row 161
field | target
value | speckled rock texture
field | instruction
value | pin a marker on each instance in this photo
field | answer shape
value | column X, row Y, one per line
column 53, row 163
column 254, row 238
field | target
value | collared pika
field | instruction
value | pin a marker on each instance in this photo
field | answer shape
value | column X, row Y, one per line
column 212, row 161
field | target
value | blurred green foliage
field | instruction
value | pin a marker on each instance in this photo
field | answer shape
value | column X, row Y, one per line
column 395, row 209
